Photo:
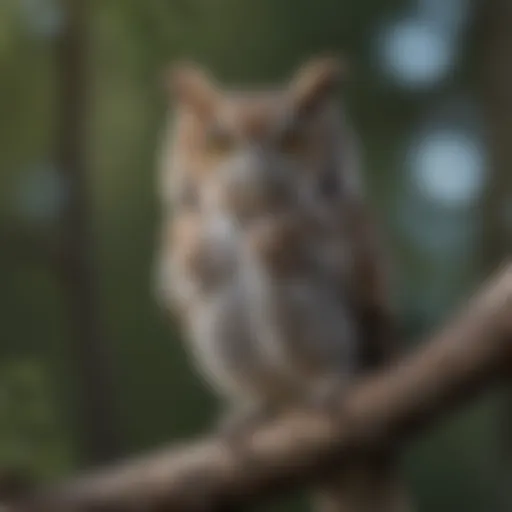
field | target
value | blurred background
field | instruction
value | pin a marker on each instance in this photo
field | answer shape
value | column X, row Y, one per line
column 90, row 368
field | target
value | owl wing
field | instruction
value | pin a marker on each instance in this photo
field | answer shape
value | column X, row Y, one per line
column 370, row 272
column 369, row 289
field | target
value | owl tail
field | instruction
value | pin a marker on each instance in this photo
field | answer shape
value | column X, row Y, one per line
column 365, row 487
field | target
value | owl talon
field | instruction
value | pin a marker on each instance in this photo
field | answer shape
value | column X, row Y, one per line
column 236, row 427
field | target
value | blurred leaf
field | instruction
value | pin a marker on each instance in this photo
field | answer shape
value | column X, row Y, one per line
column 30, row 434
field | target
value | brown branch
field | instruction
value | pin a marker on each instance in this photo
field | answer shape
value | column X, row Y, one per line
column 471, row 352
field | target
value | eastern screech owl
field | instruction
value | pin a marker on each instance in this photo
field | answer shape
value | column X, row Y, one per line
column 267, row 251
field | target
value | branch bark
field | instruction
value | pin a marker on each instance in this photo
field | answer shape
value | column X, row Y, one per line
column 473, row 351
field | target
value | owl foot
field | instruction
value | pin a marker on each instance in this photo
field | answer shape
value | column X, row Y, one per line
column 240, row 424
column 237, row 427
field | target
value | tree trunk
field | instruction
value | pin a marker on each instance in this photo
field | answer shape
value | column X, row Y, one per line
column 94, row 409
column 493, row 23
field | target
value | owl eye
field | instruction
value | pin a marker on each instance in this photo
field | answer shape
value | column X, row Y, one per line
column 219, row 143
column 292, row 142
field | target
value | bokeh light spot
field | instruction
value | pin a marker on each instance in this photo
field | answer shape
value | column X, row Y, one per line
column 415, row 53
column 40, row 195
column 449, row 168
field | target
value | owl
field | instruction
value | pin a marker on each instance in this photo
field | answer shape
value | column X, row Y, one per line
column 268, row 254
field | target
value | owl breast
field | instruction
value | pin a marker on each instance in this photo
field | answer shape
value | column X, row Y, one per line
column 302, row 320
column 256, row 336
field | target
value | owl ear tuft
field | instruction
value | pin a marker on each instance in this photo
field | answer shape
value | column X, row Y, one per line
column 316, row 80
column 190, row 86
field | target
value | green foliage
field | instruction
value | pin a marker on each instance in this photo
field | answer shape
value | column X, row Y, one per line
column 31, row 436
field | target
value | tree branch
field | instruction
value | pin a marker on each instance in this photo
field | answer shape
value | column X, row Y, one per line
column 471, row 352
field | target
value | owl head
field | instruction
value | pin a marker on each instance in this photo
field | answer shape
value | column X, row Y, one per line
column 252, row 151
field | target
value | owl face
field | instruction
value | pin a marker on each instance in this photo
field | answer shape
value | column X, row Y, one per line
column 253, row 152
